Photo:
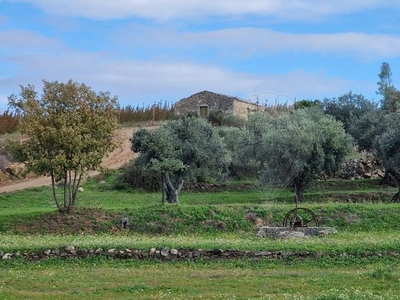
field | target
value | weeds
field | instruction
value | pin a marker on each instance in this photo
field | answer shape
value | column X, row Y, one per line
column 354, row 294
column 383, row 273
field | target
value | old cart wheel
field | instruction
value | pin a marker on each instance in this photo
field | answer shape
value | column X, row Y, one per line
column 300, row 217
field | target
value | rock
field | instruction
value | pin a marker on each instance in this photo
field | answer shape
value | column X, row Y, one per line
column 217, row 251
column 164, row 252
column 327, row 231
column 70, row 249
column 291, row 234
column 368, row 175
column 361, row 168
column 263, row 253
column 7, row 256
column 81, row 189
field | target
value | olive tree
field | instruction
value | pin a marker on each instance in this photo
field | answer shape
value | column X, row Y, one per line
column 245, row 144
column 388, row 149
column 187, row 149
column 384, row 141
column 294, row 148
column 68, row 128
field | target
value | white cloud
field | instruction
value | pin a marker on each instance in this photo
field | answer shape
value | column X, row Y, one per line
column 249, row 41
column 163, row 63
column 299, row 84
column 137, row 82
column 177, row 9
column 347, row 43
column 27, row 41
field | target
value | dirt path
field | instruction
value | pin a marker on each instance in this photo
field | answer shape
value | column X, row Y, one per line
column 114, row 160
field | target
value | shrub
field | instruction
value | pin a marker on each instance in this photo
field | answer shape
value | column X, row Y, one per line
column 136, row 177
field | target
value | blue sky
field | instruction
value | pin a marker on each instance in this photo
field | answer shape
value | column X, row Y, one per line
column 164, row 50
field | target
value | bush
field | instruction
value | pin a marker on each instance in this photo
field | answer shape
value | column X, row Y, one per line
column 133, row 176
column 216, row 117
column 234, row 121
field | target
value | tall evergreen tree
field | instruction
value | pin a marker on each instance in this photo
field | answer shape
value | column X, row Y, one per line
column 391, row 96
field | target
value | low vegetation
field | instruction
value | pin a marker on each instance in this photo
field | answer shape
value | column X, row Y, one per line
column 360, row 262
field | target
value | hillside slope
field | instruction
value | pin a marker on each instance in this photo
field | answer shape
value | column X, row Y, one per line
column 114, row 160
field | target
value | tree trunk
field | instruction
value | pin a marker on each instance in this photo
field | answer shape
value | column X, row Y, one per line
column 171, row 192
column 54, row 188
column 396, row 197
column 75, row 187
column 396, row 177
column 299, row 193
column 65, row 186
column 162, row 188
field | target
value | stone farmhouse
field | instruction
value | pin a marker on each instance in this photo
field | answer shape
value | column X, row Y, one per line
column 204, row 102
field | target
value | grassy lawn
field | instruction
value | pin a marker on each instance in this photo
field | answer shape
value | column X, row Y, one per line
column 105, row 279
column 362, row 261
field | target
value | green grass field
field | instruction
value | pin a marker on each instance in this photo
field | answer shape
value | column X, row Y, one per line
column 362, row 261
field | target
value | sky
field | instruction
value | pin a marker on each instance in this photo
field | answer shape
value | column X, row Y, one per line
column 160, row 51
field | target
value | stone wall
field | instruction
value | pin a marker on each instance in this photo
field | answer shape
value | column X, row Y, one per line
column 244, row 109
column 359, row 168
column 170, row 254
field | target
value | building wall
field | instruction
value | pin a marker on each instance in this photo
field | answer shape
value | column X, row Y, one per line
column 244, row 109
column 215, row 102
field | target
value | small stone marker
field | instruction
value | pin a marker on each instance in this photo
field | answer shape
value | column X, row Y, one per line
column 124, row 223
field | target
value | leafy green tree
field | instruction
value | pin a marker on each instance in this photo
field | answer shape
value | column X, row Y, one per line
column 307, row 103
column 69, row 129
column 391, row 96
column 293, row 149
column 348, row 108
column 245, row 145
column 158, row 154
column 367, row 128
column 188, row 149
column 378, row 132
column 234, row 139
column 387, row 145
column 286, row 150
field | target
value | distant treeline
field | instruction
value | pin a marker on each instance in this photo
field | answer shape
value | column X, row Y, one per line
column 8, row 122
column 157, row 112
column 127, row 115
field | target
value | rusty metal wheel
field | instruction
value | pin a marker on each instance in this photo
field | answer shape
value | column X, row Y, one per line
column 300, row 217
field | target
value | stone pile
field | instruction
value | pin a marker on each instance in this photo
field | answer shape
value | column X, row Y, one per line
column 167, row 254
column 163, row 254
column 359, row 168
